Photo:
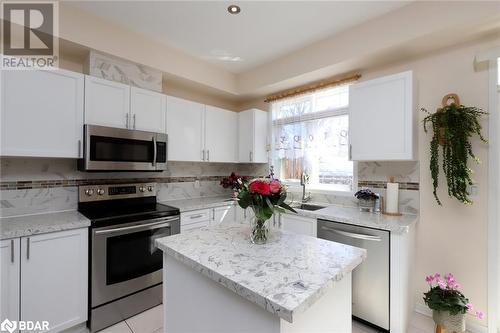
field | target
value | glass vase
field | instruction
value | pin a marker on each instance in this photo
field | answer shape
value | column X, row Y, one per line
column 260, row 231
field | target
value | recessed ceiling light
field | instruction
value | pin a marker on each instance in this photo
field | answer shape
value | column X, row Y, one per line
column 233, row 9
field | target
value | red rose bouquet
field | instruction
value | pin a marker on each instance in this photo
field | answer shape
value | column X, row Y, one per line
column 265, row 196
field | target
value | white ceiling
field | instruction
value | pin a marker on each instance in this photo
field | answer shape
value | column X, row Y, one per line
column 262, row 32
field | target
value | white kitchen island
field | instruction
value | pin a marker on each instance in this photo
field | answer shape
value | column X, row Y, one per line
column 215, row 280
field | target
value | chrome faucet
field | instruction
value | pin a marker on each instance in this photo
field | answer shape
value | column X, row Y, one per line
column 304, row 179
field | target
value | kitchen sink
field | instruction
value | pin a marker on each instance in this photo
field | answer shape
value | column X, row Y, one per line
column 306, row 206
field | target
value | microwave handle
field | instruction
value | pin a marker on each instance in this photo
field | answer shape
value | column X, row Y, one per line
column 155, row 152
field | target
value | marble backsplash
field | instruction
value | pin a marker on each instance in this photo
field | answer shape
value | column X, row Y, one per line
column 51, row 183
column 43, row 200
column 375, row 175
column 179, row 183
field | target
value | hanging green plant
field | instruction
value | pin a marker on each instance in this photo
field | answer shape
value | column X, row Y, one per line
column 453, row 125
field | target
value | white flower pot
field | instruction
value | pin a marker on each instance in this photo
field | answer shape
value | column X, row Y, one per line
column 451, row 323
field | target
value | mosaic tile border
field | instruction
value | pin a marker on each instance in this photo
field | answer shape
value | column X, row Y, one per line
column 36, row 184
column 379, row 184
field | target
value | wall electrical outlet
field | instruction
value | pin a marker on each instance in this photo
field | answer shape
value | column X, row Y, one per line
column 197, row 184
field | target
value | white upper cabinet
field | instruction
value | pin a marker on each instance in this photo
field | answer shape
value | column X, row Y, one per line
column 382, row 124
column 148, row 110
column 252, row 136
column 107, row 103
column 185, row 129
column 114, row 104
column 9, row 279
column 221, row 135
column 41, row 113
column 54, row 270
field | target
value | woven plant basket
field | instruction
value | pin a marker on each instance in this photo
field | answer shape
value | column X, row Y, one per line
column 451, row 323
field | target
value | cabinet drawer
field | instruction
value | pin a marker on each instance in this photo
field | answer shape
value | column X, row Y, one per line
column 195, row 216
column 196, row 225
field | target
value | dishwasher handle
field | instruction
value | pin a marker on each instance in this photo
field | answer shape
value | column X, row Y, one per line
column 352, row 234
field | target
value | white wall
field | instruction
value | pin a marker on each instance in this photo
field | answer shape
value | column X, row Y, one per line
column 451, row 238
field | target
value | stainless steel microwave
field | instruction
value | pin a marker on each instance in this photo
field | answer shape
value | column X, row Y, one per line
column 118, row 149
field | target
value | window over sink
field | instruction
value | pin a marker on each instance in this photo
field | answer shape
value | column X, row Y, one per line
column 310, row 135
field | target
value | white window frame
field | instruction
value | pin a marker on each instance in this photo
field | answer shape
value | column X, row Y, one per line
column 295, row 185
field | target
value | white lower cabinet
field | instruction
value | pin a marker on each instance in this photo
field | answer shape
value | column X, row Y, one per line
column 298, row 224
column 208, row 217
column 244, row 215
column 195, row 219
column 224, row 214
column 9, row 279
column 53, row 280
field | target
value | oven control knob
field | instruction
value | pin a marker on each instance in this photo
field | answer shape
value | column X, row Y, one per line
column 89, row 192
column 142, row 189
column 100, row 191
column 150, row 188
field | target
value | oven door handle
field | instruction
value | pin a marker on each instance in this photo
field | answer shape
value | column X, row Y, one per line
column 149, row 226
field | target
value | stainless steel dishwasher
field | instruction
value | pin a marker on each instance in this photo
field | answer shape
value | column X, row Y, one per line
column 370, row 280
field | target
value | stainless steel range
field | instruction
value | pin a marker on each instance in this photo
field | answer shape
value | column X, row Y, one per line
column 125, row 266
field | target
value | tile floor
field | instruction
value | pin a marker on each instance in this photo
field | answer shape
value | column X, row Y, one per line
column 150, row 321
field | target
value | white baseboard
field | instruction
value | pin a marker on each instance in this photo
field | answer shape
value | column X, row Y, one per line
column 471, row 326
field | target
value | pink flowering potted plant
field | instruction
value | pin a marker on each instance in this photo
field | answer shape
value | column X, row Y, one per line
column 448, row 304
column 265, row 196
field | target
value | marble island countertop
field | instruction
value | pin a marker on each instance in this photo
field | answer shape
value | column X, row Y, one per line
column 28, row 225
column 285, row 276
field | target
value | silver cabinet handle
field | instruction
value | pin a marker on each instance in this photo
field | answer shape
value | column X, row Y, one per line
column 28, row 248
column 350, row 152
column 196, row 216
column 79, row 148
column 208, row 155
column 12, row 250
column 353, row 235
column 126, row 120
column 251, row 156
column 155, row 151
column 203, row 155
column 133, row 117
